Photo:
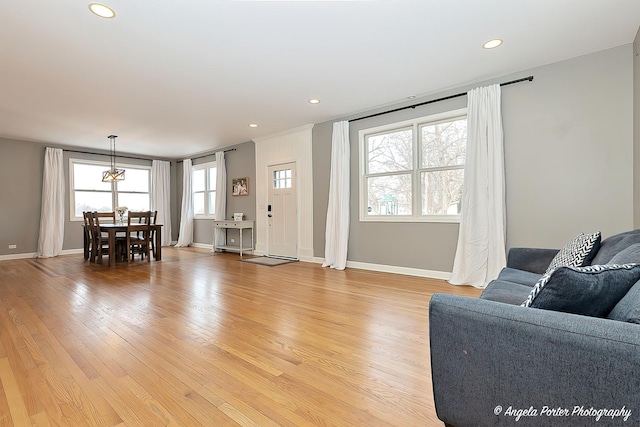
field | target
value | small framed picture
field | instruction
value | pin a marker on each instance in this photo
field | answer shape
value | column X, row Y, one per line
column 240, row 186
column 237, row 216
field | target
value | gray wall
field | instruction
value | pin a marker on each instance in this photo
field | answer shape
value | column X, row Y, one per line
column 636, row 131
column 21, row 168
column 568, row 161
column 239, row 163
column 21, row 165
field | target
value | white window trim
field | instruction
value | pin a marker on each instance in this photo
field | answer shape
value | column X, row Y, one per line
column 107, row 165
column 205, row 166
column 362, row 186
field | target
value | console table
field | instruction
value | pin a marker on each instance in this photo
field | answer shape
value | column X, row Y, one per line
column 238, row 225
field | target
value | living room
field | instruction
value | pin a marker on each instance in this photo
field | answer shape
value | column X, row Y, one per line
column 572, row 138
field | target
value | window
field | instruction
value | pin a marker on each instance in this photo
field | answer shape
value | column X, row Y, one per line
column 414, row 170
column 282, row 178
column 89, row 193
column 204, row 190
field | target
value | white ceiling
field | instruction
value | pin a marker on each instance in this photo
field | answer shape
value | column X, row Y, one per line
column 174, row 78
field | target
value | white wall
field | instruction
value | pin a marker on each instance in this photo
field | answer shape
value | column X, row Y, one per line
column 286, row 147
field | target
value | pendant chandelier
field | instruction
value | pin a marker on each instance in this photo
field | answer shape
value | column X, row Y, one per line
column 113, row 174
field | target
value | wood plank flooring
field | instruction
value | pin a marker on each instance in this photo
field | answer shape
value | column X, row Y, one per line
column 205, row 340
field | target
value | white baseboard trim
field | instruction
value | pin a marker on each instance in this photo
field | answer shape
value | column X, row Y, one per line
column 202, row 246
column 407, row 271
column 35, row 254
column 18, row 256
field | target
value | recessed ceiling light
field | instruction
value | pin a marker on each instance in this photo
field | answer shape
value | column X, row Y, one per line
column 411, row 97
column 102, row 10
column 253, row 125
column 314, row 101
column 493, row 43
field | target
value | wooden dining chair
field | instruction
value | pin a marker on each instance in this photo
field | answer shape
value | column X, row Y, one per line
column 99, row 243
column 152, row 235
column 87, row 235
column 138, row 235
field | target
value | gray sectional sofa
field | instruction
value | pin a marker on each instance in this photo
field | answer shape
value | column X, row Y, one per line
column 495, row 362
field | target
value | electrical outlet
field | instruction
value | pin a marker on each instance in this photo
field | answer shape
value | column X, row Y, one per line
column 13, row 246
column 233, row 240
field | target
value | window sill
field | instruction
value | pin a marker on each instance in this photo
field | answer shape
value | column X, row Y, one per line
column 455, row 219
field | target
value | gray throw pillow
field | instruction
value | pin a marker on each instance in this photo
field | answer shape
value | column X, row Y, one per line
column 578, row 252
column 590, row 291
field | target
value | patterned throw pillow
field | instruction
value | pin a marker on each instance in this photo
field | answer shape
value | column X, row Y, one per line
column 578, row 252
column 591, row 291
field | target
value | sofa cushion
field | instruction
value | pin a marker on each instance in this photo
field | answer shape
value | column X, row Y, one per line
column 507, row 292
column 578, row 252
column 611, row 246
column 628, row 308
column 627, row 256
column 521, row 277
column 590, row 291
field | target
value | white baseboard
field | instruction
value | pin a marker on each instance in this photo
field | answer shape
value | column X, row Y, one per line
column 407, row 271
column 202, row 246
column 35, row 254
column 17, row 256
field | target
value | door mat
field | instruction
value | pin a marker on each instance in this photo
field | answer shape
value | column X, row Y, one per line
column 271, row 262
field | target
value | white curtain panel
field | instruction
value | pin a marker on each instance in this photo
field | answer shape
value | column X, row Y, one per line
column 161, row 197
column 337, row 227
column 186, row 217
column 221, row 197
column 52, row 211
column 481, row 254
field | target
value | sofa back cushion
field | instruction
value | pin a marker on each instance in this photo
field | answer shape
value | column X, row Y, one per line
column 590, row 291
column 628, row 308
column 629, row 255
column 611, row 246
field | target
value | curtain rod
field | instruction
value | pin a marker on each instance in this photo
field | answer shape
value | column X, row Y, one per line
column 136, row 158
column 105, row 154
column 207, row 155
column 457, row 95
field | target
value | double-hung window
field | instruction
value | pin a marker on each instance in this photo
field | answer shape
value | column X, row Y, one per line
column 89, row 193
column 413, row 171
column 204, row 190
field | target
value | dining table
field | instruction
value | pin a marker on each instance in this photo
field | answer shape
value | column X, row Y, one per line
column 113, row 228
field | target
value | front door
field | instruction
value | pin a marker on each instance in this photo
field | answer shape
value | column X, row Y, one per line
column 282, row 217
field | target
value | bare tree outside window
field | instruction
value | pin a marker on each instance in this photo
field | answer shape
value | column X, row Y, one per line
column 443, row 155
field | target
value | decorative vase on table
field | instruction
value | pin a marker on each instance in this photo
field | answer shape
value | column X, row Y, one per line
column 121, row 210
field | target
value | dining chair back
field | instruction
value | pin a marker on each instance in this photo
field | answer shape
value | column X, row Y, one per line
column 99, row 243
column 138, row 234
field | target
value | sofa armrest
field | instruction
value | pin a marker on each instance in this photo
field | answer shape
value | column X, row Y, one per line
column 486, row 354
column 534, row 260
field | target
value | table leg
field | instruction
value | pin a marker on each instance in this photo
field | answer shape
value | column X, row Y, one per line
column 112, row 247
column 158, row 245
column 85, row 240
column 241, row 233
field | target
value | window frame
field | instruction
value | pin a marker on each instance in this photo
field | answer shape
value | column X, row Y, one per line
column 416, row 171
column 114, row 191
column 207, row 167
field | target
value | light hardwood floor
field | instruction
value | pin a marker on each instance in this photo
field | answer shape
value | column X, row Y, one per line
column 206, row 340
